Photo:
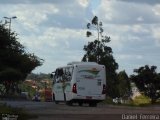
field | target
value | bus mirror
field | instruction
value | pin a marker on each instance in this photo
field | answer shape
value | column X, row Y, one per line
column 51, row 75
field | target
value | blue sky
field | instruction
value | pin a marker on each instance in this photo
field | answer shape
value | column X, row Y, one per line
column 55, row 30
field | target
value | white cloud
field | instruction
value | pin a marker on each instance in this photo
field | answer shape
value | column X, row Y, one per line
column 83, row 3
column 30, row 16
column 105, row 10
column 55, row 37
column 56, row 46
column 156, row 10
column 139, row 28
column 127, row 57
column 156, row 34
column 140, row 19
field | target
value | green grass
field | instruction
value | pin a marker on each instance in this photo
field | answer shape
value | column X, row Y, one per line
column 22, row 114
column 108, row 101
column 139, row 101
column 158, row 101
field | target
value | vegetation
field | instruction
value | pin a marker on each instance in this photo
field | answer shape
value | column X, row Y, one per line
column 40, row 76
column 98, row 51
column 36, row 84
column 123, row 86
column 15, row 62
column 148, row 82
column 141, row 100
column 28, row 88
column 138, row 101
column 22, row 114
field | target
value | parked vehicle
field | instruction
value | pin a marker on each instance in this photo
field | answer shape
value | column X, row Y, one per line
column 36, row 97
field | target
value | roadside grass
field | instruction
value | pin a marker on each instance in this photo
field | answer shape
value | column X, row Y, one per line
column 139, row 101
column 22, row 114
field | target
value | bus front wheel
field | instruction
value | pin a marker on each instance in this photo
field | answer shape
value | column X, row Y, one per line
column 53, row 98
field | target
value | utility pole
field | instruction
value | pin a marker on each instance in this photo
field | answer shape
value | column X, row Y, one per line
column 9, row 20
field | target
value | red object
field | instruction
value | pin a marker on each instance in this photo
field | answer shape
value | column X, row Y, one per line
column 48, row 94
column 74, row 88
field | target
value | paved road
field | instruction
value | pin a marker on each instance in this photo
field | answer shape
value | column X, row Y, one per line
column 51, row 111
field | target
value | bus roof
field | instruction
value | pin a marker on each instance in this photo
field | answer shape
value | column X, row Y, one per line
column 78, row 63
column 82, row 63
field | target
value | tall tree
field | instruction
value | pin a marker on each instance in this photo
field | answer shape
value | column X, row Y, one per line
column 148, row 81
column 124, row 87
column 99, row 52
column 15, row 63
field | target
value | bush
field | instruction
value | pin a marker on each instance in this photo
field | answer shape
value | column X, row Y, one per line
column 141, row 100
column 22, row 115
column 108, row 100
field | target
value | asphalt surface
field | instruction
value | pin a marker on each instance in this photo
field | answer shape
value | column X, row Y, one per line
column 52, row 111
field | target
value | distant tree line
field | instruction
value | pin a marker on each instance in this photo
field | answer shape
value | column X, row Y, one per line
column 40, row 76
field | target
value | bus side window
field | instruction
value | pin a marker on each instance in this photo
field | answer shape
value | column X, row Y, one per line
column 69, row 74
column 64, row 77
column 64, row 74
column 71, row 70
column 60, row 72
column 58, row 75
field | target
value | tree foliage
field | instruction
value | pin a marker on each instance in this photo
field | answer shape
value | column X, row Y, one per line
column 98, row 51
column 124, row 87
column 15, row 63
column 148, row 81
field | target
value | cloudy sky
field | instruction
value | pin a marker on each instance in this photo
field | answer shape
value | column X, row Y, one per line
column 55, row 29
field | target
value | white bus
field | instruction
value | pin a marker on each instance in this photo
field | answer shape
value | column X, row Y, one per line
column 79, row 82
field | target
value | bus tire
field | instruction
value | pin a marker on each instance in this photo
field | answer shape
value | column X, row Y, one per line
column 53, row 98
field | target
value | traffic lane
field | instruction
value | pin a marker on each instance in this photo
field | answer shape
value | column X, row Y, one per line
column 50, row 111
column 64, row 109
column 52, row 108
column 28, row 104
column 101, row 112
column 79, row 117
